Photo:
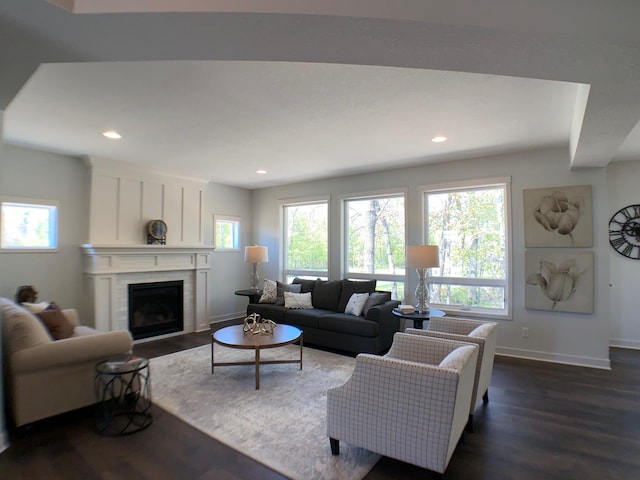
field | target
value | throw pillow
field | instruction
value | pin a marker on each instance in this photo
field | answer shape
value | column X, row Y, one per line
column 375, row 299
column 56, row 322
column 269, row 292
column 297, row 300
column 306, row 285
column 349, row 287
column 284, row 287
column 35, row 307
column 356, row 304
column 326, row 294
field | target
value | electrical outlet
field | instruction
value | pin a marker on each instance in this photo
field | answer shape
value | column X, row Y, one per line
column 525, row 332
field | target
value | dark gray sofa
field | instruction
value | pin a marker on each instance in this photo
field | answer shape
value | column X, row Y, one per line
column 327, row 325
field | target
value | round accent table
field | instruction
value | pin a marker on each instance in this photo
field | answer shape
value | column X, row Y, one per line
column 254, row 295
column 419, row 318
column 235, row 337
column 123, row 395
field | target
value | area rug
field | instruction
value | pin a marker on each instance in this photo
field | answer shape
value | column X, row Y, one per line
column 282, row 425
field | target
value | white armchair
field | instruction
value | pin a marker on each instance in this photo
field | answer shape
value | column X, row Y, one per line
column 46, row 377
column 411, row 404
column 481, row 333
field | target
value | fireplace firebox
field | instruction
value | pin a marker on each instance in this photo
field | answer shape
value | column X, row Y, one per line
column 155, row 308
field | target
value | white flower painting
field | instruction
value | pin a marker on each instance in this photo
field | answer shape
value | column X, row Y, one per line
column 559, row 281
column 558, row 217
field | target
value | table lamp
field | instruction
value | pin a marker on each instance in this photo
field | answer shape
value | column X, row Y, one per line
column 255, row 255
column 422, row 257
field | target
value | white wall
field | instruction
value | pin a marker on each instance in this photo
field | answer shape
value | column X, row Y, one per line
column 562, row 337
column 623, row 186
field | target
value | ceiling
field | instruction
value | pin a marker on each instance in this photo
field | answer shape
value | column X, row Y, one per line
column 325, row 90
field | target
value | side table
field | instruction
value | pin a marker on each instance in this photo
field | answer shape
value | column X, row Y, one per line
column 123, row 395
column 254, row 295
column 419, row 318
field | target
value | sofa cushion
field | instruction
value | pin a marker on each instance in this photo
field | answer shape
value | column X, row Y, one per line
column 268, row 311
column 283, row 287
column 56, row 322
column 375, row 299
column 21, row 330
column 308, row 317
column 306, row 285
column 269, row 292
column 34, row 307
column 349, row 287
column 326, row 294
column 356, row 304
column 297, row 300
column 345, row 323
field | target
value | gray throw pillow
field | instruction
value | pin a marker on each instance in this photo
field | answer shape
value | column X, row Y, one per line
column 284, row 287
column 375, row 299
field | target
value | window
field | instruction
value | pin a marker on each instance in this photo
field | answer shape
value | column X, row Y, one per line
column 28, row 225
column 470, row 225
column 306, row 240
column 227, row 232
column 375, row 241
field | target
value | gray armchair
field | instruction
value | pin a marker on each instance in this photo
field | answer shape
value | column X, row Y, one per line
column 411, row 404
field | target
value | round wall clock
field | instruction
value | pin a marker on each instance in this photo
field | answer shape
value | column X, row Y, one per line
column 624, row 231
column 156, row 232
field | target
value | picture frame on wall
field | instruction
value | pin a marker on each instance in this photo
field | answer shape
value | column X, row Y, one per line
column 558, row 216
column 559, row 280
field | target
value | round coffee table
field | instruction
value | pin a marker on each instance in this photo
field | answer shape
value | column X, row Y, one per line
column 235, row 337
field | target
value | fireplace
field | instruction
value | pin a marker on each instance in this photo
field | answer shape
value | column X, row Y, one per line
column 155, row 308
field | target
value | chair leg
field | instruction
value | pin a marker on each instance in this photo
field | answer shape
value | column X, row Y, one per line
column 335, row 446
column 469, row 427
column 485, row 397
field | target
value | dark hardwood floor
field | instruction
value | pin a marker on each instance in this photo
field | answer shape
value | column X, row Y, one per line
column 543, row 421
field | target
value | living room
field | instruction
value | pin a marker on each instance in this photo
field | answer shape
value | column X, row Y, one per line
column 571, row 338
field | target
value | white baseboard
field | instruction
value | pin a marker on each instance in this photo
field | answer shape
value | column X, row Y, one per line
column 602, row 363
column 621, row 343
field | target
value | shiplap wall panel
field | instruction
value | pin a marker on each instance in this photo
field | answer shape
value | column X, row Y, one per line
column 124, row 199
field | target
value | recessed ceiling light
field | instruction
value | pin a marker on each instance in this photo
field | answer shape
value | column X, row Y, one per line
column 112, row 134
column 261, row 172
column 439, row 139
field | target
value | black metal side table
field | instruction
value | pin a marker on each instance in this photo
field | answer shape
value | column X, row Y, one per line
column 254, row 295
column 123, row 395
column 419, row 318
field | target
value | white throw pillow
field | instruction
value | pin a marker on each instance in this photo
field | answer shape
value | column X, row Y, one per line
column 35, row 307
column 297, row 300
column 269, row 292
column 356, row 304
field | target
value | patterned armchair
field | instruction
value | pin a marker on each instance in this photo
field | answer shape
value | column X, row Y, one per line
column 482, row 334
column 411, row 404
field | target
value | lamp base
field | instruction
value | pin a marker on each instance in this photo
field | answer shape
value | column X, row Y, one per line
column 422, row 291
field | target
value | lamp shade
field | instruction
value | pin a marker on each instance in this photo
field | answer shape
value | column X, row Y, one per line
column 256, row 254
column 423, row 256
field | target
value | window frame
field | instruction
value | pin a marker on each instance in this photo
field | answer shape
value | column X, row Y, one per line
column 507, row 283
column 291, row 273
column 380, row 277
column 237, row 223
column 54, row 220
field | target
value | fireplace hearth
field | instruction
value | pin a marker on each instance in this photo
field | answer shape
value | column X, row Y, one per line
column 155, row 308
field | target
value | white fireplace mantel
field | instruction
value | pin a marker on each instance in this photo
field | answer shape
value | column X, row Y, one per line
column 110, row 268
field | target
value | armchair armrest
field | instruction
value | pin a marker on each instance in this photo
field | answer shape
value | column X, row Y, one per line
column 92, row 348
